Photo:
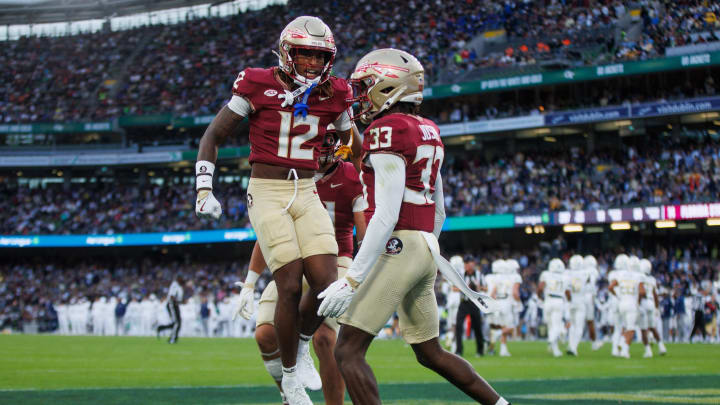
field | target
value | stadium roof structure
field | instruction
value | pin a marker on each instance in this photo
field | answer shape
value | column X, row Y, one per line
column 53, row 11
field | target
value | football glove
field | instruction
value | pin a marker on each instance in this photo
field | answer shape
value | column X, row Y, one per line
column 343, row 152
column 207, row 205
column 246, row 304
column 336, row 298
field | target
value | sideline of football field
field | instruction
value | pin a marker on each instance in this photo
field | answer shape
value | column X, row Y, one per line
column 121, row 370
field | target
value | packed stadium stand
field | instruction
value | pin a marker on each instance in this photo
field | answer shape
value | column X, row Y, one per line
column 187, row 68
column 554, row 113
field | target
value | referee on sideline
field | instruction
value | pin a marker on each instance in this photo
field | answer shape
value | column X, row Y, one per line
column 174, row 298
column 473, row 278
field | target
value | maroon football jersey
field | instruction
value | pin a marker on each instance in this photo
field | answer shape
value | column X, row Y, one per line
column 417, row 141
column 338, row 190
column 276, row 136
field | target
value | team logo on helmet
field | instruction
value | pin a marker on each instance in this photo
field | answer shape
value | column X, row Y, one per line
column 394, row 246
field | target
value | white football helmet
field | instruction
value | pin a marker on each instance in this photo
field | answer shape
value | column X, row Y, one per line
column 576, row 263
column 590, row 262
column 306, row 32
column 458, row 263
column 513, row 266
column 497, row 266
column 634, row 264
column 645, row 266
column 621, row 262
column 556, row 265
column 384, row 77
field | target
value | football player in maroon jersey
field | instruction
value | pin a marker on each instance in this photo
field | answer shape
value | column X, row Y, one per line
column 289, row 108
column 395, row 268
column 339, row 188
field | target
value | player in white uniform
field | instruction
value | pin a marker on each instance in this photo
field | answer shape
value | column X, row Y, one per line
column 576, row 278
column 494, row 319
column 63, row 318
column 620, row 264
column 507, row 292
column 649, row 310
column 554, row 285
column 628, row 287
column 589, row 295
column 514, row 266
column 453, row 302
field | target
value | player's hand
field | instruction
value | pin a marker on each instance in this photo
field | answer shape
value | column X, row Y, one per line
column 343, row 152
column 246, row 304
column 336, row 298
column 207, row 205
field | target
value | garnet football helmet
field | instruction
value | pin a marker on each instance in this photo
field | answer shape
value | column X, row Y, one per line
column 329, row 147
column 385, row 77
column 306, row 32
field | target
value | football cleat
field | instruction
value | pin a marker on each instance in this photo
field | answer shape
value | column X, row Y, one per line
column 648, row 352
column 504, row 352
column 597, row 345
column 294, row 391
column 308, row 374
column 662, row 349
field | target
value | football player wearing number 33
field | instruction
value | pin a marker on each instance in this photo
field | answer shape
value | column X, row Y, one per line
column 395, row 267
column 289, row 108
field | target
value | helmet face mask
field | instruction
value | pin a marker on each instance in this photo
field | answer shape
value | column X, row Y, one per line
column 383, row 78
column 308, row 33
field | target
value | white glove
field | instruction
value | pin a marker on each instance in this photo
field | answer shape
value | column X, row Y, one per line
column 246, row 304
column 336, row 298
column 207, row 205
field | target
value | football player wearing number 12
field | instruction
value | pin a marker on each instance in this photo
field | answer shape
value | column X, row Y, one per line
column 395, row 268
column 338, row 185
column 289, row 108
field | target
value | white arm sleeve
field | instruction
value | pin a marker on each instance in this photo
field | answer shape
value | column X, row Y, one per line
column 389, row 189
column 240, row 106
column 359, row 205
column 342, row 123
column 439, row 199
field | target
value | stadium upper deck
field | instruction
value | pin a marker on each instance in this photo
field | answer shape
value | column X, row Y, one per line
column 187, row 68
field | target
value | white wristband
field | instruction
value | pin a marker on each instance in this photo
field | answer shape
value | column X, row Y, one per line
column 204, row 171
column 251, row 278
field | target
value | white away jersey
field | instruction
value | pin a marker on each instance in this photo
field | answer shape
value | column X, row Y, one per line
column 504, row 284
column 576, row 280
column 592, row 276
column 628, row 288
column 555, row 284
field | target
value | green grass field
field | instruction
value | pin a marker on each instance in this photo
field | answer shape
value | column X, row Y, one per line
column 125, row 370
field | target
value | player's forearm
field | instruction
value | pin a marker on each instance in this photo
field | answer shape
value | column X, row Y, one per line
column 360, row 225
column 389, row 187
column 224, row 124
column 439, row 199
column 256, row 266
column 356, row 142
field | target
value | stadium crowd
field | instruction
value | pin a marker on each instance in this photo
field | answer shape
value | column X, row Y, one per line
column 187, row 68
column 573, row 180
column 126, row 296
column 657, row 173
column 107, row 208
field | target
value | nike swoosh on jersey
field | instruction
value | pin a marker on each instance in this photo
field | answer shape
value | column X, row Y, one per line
column 335, row 185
